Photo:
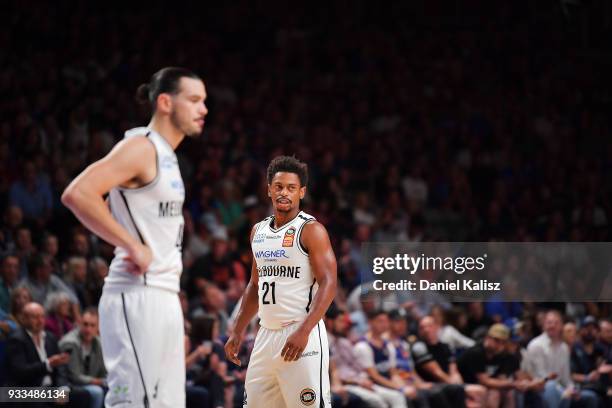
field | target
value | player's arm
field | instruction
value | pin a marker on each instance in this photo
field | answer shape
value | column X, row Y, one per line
column 249, row 304
column 323, row 264
column 131, row 159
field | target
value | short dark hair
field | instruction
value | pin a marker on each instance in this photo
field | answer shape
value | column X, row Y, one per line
column 166, row 80
column 288, row 164
column 373, row 314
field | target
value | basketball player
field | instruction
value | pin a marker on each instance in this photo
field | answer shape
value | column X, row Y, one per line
column 293, row 282
column 141, row 322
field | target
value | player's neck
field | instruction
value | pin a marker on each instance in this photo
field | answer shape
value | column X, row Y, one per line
column 281, row 218
column 173, row 136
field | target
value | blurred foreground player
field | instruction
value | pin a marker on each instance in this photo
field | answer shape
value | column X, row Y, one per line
column 293, row 282
column 141, row 322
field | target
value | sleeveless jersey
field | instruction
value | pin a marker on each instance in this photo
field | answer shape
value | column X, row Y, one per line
column 153, row 214
column 286, row 283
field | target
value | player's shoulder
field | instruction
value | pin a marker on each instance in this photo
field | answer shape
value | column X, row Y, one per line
column 259, row 225
column 314, row 228
column 136, row 141
column 305, row 217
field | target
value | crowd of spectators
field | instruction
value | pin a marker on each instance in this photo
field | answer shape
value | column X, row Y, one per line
column 418, row 122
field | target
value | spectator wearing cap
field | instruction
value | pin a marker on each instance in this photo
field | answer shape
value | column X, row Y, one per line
column 548, row 359
column 348, row 369
column 435, row 362
column 482, row 364
column 586, row 356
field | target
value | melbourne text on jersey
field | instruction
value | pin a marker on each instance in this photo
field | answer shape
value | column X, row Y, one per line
column 170, row 209
column 281, row 271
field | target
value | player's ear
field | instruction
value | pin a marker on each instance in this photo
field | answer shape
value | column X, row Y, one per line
column 269, row 192
column 302, row 192
column 164, row 102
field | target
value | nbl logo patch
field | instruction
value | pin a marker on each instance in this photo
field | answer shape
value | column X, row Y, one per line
column 289, row 237
column 308, row 396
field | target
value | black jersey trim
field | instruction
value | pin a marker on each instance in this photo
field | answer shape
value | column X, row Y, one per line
column 310, row 296
column 298, row 235
column 144, row 387
column 285, row 225
column 142, row 241
column 151, row 183
column 321, row 397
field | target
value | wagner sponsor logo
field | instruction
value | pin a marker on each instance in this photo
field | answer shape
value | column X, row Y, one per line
column 308, row 396
column 289, row 237
column 310, row 354
column 271, row 254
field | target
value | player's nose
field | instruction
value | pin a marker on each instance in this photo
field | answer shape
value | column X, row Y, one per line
column 203, row 110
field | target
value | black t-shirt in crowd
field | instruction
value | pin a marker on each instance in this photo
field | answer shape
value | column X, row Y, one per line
column 474, row 361
column 423, row 353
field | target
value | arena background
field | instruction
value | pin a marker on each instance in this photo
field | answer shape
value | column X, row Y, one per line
column 442, row 121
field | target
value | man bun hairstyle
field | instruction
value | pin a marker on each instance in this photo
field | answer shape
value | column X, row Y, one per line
column 288, row 164
column 166, row 80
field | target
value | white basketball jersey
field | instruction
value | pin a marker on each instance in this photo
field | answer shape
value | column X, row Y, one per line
column 153, row 214
column 286, row 283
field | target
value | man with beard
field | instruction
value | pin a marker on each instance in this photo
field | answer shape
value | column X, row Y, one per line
column 141, row 321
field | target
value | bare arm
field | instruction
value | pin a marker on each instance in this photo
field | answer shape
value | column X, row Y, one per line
column 496, row 383
column 249, row 305
column 433, row 368
column 131, row 159
column 379, row 379
column 323, row 264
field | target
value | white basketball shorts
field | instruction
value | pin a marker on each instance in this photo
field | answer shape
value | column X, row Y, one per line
column 141, row 329
column 272, row 382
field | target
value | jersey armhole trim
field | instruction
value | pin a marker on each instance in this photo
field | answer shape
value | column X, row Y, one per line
column 301, row 247
column 151, row 183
